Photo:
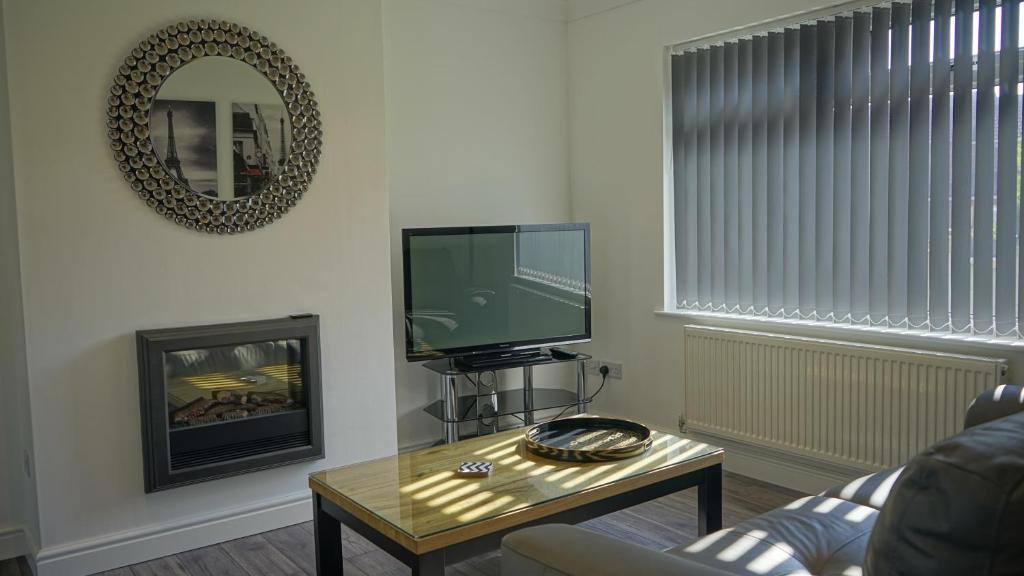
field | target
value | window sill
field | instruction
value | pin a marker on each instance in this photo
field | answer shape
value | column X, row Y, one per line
column 886, row 336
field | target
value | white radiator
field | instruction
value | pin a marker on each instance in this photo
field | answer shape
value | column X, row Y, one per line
column 854, row 405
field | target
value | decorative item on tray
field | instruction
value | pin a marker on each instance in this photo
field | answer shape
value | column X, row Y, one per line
column 588, row 439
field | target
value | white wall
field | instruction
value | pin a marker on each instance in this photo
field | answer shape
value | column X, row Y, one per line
column 477, row 133
column 581, row 8
column 97, row 264
column 17, row 492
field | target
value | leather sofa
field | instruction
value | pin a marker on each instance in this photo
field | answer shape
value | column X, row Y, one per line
column 955, row 509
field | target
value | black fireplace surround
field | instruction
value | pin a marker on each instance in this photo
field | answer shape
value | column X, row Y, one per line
column 221, row 400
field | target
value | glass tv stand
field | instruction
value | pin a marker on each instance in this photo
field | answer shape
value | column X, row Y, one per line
column 454, row 409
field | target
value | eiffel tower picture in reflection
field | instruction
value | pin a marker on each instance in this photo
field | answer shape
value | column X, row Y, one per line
column 171, row 161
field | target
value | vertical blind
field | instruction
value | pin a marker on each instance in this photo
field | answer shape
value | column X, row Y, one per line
column 863, row 169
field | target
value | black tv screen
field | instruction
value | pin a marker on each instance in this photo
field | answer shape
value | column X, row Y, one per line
column 485, row 289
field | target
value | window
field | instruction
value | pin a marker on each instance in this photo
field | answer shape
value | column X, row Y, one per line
column 553, row 257
column 863, row 169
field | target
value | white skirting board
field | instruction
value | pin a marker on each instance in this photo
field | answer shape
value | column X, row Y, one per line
column 109, row 551
column 14, row 542
column 779, row 467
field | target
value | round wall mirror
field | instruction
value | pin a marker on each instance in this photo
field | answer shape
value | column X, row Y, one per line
column 213, row 126
column 220, row 129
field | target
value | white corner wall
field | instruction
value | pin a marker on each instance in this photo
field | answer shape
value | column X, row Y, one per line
column 477, row 134
column 616, row 96
column 97, row 264
column 18, row 529
column 616, row 102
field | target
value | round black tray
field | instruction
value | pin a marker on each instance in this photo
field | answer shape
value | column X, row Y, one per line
column 588, row 439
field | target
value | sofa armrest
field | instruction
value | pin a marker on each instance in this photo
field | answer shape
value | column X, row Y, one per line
column 562, row 550
column 1003, row 400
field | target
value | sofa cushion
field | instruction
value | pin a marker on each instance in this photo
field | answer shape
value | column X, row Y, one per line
column 957, row 509
column 813, row 535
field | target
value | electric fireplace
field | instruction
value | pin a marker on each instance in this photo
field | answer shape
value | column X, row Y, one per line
column 226, row 399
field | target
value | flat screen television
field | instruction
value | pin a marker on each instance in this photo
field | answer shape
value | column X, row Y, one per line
column 487, row 290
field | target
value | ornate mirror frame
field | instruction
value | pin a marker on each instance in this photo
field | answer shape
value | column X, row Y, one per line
column 135, row 86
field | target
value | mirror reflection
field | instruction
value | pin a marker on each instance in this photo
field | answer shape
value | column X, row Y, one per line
column 220, row 128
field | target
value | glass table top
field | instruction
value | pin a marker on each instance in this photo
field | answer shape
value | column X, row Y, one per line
column 420, row 494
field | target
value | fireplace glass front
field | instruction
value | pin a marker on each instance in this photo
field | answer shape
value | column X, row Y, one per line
column 221, row 400
column 226, row 383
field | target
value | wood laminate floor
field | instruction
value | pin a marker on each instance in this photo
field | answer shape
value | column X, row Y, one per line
column 658, row 524
column 14, row 567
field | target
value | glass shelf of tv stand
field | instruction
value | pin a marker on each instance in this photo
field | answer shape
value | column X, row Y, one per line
column 454, row 408
column 510, row 402
column 451, row 367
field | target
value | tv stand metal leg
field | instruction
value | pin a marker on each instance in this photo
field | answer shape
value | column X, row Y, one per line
column 581, row 387
column 528, row 395
column 450, row 399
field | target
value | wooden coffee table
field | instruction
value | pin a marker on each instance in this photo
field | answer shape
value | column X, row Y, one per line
column 414, row 507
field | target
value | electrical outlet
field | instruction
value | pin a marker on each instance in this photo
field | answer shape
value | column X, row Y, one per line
column 593, row 366
column 614, row 369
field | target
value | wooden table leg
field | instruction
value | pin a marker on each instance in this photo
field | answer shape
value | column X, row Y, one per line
column 327, row 530
column 430, row 564
column 709, row 501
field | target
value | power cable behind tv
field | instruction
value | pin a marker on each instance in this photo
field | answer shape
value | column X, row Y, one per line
column 604, row 378
column 478, row 383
